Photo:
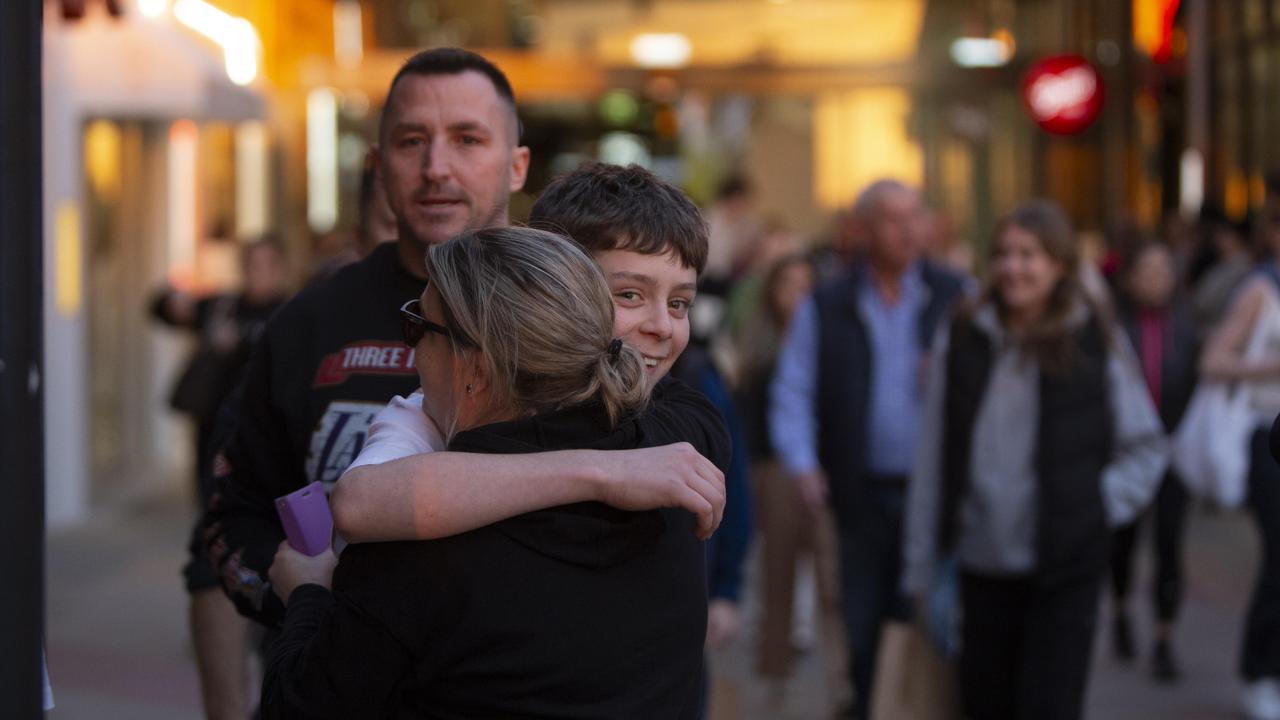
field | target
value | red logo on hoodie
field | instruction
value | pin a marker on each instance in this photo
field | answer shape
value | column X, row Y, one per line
column 366, row 357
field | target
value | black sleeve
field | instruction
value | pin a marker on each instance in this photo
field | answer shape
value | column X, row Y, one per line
column 678, row 413
column 258, row 464
column 333, row 659
column 159, row 310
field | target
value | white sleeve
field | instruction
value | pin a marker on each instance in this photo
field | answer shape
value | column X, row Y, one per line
column 1141, row 451
column 401, row 429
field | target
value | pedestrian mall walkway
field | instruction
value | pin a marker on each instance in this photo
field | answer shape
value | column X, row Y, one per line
column 118, row 645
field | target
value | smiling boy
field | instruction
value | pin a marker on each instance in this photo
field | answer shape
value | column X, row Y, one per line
column 651, row 242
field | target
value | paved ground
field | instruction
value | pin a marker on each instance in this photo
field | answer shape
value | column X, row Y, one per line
column 118, row 645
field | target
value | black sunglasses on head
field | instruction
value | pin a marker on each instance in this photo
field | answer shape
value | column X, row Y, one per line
column 413, row 326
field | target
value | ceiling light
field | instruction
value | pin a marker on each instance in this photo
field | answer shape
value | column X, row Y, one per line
column 152, row 8
column 981, row 52
column 661, row 50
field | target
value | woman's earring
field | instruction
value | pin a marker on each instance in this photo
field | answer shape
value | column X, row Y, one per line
column 468, row 389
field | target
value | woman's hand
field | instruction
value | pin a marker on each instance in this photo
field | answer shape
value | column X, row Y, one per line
column 291, row 569
column 667, row 476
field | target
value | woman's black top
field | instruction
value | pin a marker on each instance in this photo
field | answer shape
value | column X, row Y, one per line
column 579, row 611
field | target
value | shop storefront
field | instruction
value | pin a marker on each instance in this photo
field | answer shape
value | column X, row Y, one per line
column 144, row 135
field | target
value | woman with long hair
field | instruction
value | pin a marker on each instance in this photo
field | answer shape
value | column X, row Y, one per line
column 576, row 611
column 1038, row 435
column 1159, row 324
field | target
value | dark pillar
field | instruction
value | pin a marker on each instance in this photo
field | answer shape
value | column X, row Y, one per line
column 21, row 413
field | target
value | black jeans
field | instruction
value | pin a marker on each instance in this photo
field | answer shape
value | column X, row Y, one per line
column 1026, row 646
column 870, row 566
column 1170, row 515
column 1260, row 654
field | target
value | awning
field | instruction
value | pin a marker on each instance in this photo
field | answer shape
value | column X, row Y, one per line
column 135, row 67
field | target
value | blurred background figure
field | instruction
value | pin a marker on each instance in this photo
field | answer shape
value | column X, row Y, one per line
column 734, row 234
column 1159, row 326
column 940, row 243
column 1024, row 507
column 1254, row 319
column 744, row 321
column 734, row 229
column 1227, row 260
column 844, row 409
column 1181, row 234
column 792, row 533
column 374, row 224
column 226, row 326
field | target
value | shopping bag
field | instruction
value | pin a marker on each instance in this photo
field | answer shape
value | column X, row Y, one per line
column 1211, row 444
column 913, row 681
column 941, row 607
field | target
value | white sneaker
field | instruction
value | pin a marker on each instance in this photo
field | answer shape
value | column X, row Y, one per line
column 1261, row 699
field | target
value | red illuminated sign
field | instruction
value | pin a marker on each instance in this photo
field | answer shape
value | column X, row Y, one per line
column 1063, row 93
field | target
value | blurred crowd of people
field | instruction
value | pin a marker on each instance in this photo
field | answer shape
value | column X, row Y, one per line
column 954, row 455
column 987, row 494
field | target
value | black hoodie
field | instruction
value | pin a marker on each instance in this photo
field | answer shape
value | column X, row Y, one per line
column 579, row 611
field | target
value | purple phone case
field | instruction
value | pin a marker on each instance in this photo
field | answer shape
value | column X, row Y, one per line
column 307, row 521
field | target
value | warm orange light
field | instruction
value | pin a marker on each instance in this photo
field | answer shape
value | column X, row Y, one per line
column 731, row 32
column 237, row 36
column 102, row 142
column 861, row 136
column 68, row 267
column 1257, row 189
column 1153, row 27
column 1236, row 197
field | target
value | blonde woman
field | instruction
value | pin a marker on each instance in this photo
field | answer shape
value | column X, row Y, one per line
column 576, row 611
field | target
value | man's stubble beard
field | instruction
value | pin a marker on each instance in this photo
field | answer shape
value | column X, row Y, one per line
column 495, row 217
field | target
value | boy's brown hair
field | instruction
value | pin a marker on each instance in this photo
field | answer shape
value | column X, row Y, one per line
column 610, row 207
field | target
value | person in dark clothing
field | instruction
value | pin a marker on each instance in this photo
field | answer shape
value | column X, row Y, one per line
column 1024, row 506
column 844, row 409
column 727, row 548
column 1161, row 329
column 228, row 325
column 574, row 611
column 330, row 360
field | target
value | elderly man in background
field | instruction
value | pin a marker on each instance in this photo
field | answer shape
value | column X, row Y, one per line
column 845, row 405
